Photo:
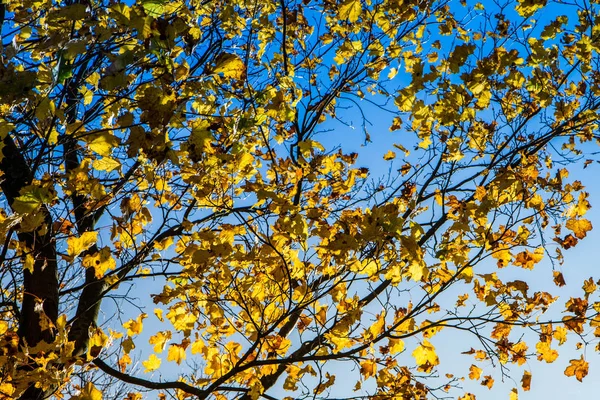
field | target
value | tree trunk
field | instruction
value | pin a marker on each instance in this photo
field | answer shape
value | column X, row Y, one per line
column 40, row 285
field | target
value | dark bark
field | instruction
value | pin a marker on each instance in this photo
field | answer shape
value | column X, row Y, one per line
column 88, row 306
column 40, row 286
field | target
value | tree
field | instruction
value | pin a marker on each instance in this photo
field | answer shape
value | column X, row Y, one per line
column 186, row 153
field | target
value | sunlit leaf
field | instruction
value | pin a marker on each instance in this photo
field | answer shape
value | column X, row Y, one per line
column 577, row 368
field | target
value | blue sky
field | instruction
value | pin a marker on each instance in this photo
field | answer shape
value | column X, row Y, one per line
column 580, row 263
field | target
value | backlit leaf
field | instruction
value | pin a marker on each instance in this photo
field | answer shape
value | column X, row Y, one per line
column 350, row 10
column 77, row 245
column 577, row 368
column 152, row 363
column 230, row 65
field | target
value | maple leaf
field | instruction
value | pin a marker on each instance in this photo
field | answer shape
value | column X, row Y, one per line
column 152, row 363
column 526, row 8
column 560, row 334
column 577, row 368
column 488, row 381
column 580, row 227
column 27, row 203
column 106, row 164
column 589, row 287
column 101, row 261
column 425, row 356
column 474, row 372
column 6, row 388
column 390, row 155
column 368, row 368
column 135, row 327
column 89, row 392
column 102, row 142
column 77, row 245
column 176, row 353
column 230, row 65
column 527, row 259
column 545, row 352
column 350, row 10
column 396, row 346
column 559, row 279
column 514, row 394
column 160, row 339
column 324, row 385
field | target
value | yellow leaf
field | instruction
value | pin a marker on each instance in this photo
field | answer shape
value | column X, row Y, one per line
column 124, row 362
column 160, row 340
column 107, row 164
column 98, row 338
column 580, row 227
column 324, row 385
column 89, row 392
column 545, row 352
column 426, row 356
column 474, row 372
column 527, row 259
column 256, row 390
column 101, row 261
column 135, row 327
column 7, row 389
column 88, row 95
column 368, row 368
column 527, row 8
column 176, row 353
column 488, row 381
column 230, row 65
column 278, row 344
column 577, row 368
column 396, row 346
column 103, row 143
column 589, row 286
column 321, row 315
column 514, row 394
column 198, row 346
column 390, row 155
column 159, row 314
column 29, row 263
column 152, row 363
column 350, row 10
column 127, row 345
column 413, row 254
column 560, row 334
column 339, row 340
column 378, row 327
column 77, row 245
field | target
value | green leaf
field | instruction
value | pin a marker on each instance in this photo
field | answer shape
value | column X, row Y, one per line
column 31, row 199
column 154, row 8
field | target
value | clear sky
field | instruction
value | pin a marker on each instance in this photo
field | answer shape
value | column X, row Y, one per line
column 580, row 263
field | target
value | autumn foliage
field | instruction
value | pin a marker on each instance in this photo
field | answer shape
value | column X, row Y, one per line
column 185, row 212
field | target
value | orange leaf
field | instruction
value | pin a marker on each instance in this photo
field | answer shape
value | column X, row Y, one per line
column 580, row 227
column 474, row 372
column 526, row 381
column 577, row 368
